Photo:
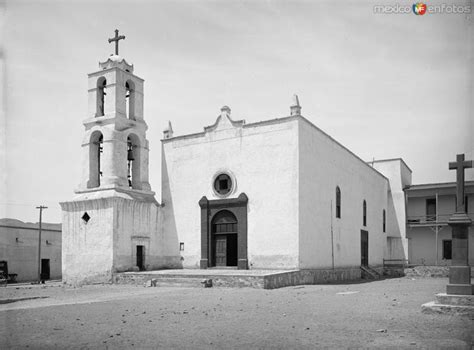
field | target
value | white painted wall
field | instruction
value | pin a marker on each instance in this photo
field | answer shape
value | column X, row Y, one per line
column 87, row 247
column 139, row 223
column 325, row 164
column 399, row 176
column 263, row 157
column 22, row 254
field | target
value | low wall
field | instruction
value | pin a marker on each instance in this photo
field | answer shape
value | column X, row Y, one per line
column 430, row 271
column 316, row 276
column 239, row 280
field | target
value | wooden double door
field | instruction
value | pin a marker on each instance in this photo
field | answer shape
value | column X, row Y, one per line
column 225, row 250
column 224, row 240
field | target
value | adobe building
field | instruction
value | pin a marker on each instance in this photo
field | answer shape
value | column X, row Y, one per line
column 19, row 249
column 275, row 194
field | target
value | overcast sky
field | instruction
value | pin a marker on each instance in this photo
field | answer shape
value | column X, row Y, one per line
column 384, row 86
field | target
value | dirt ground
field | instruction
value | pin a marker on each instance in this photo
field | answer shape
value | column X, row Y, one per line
column 381, row 314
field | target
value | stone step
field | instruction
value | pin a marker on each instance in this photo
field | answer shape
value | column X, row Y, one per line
column 368, row 273
column 449, row 299
column 178, row 282
column 435, row 308
column 192, row 280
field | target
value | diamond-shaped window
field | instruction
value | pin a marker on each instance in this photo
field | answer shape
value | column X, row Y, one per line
column 86, row 217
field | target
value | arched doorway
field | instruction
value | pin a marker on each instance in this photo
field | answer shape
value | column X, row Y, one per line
column 224, row 239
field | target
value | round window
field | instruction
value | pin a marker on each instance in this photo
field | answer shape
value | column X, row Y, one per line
column 223, row 184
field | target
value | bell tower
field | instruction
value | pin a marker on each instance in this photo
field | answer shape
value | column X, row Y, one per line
column 115, row 148
column 112, row 224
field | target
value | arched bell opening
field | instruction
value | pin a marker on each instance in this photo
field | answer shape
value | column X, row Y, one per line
column 224, row 235
column 100, row 98
column 95, row 155
column 130, row 99
column 133, row 162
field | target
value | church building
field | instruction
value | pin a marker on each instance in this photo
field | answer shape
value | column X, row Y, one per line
column 275, row 194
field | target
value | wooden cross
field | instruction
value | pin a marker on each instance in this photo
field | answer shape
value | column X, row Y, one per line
column 116, row 38
column 460, row 164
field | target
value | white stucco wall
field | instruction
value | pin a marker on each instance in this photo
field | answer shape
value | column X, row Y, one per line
column 87, row 247
column 139, row 223
column 399, row 176
column 19, row 247
column 325, row 164
column 263, row 159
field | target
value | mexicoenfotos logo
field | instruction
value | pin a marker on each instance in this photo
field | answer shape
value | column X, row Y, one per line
column 419, row 9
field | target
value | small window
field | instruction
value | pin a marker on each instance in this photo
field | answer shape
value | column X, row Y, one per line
column 447, row 249
column 364, row 213
column 86, row 217
column 338, row 202
column 223, row 184
column 384, row 220
column 431, row 209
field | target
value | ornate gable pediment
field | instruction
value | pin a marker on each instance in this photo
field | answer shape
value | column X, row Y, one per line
column 224, row 122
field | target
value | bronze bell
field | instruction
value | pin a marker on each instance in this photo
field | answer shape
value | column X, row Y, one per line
column 130, row 155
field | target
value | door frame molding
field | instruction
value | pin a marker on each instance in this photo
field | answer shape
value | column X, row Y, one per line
column 209, row 208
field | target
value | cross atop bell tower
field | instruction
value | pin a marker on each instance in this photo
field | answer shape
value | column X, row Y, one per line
column 116, row 38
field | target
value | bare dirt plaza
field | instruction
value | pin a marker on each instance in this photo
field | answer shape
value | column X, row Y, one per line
column 380, row 314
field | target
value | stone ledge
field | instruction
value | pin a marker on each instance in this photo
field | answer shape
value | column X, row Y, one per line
column 434, row 308
column 450, row 299
column 263, row 279
column 430, row 271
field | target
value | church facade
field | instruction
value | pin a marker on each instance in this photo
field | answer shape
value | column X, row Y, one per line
column 276, row 194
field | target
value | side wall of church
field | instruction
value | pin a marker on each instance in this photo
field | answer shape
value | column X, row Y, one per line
column 324, row 165
column 262, row 159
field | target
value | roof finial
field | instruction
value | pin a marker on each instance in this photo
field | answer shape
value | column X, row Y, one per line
column 225, row 110
column 168, row 132
column 295, row 108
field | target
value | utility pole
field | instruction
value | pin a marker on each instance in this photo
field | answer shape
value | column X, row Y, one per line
column 437, row 228
column 41, row 207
